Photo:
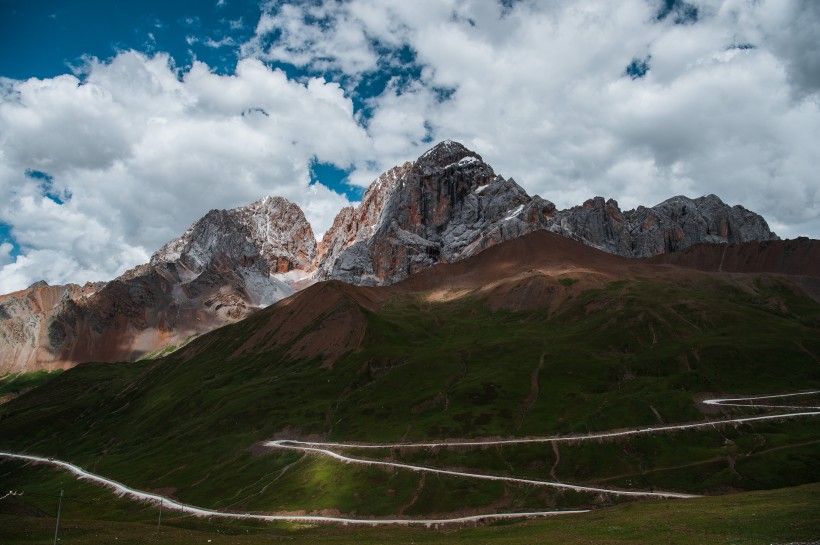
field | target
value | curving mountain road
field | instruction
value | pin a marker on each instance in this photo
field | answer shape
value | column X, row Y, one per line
column 325, row 449
column 484, row 476
column 806, row 411
column 174, row 505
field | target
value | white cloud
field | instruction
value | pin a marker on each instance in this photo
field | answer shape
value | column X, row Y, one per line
column 225, row 41
column 144, row 150
column 541, row 93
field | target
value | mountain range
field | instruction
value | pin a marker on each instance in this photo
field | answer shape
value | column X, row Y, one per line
column 446, row 206
column 477, row 362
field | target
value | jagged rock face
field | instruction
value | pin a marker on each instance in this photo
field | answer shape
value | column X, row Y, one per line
column 597, row 223
column 444, row 207
column 449, row 205
column 279, row 229
column 218, row 272
column 670, row 226
column 270, row 236
column 360, row 223
column 273, row 228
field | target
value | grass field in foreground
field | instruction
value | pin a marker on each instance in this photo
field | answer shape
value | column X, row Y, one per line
column 94, row 516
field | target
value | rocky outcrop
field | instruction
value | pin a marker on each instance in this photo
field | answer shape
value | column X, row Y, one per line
column 449, row 205
column 272, row 228
column 360, row 223
column 671, row 226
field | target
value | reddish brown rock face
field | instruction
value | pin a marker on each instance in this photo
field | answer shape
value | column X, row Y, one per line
column 357, row 224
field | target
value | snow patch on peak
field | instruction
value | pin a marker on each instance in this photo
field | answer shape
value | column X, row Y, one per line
column 514, row 213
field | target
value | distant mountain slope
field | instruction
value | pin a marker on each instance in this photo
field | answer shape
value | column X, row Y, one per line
column 800, row 256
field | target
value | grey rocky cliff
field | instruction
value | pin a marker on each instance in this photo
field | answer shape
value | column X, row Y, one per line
column 275, row 227
column 673, row 225
column 352, row 225
column 449, row 204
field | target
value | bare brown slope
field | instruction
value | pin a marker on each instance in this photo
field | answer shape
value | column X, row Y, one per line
column 800, row 256
column 542, row 250
column 328, row 319
column 324, row 320
column 540, row 269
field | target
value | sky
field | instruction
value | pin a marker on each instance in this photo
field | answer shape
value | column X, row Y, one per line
column 123, row 122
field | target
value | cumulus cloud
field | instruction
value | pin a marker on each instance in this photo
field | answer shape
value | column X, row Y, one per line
column 145, row 149
column 725, row 100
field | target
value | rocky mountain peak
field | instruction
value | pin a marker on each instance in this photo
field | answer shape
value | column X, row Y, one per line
column 281, row 232
column 272, row 228
column 445, row 154
column 446, row 206
column 360, row 223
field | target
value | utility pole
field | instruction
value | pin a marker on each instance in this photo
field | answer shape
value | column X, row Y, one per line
column 159, row 520
column 57, row 528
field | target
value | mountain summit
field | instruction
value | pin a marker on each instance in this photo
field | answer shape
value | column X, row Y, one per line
column 446, row 206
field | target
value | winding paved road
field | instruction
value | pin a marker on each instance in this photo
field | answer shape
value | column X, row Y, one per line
column 484, row 476
column 325, row 449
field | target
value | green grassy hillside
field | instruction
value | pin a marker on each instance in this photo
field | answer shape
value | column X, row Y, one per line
column 626, row 353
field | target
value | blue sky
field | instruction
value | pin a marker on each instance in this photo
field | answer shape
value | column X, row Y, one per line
column 123, row 122
column 42, row 38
